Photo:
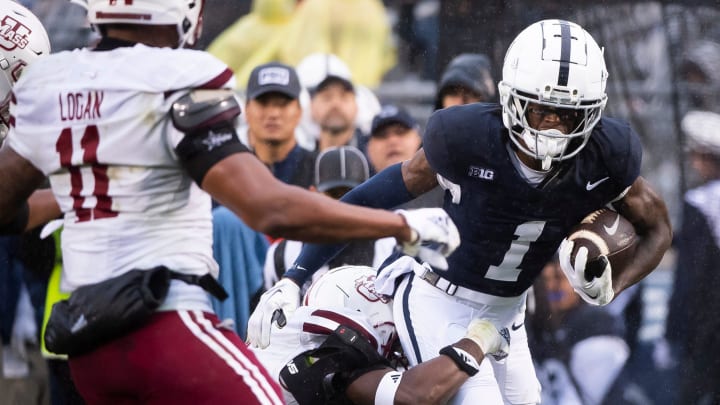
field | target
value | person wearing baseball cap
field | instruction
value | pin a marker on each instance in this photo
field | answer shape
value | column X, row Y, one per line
column 466, row 79
column 273, row 77
column 338, row 169
column 273, row 112
column 333, row 100
column 394, row 137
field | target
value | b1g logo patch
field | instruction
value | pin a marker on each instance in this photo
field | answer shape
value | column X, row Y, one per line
column 13, row 33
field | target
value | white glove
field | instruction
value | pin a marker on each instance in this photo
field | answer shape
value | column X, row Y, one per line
column 275, row 307
column 599, row 290
column 491, row 340
column 434, row 235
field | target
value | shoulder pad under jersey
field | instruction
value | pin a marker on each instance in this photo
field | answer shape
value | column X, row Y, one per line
column 203, row 109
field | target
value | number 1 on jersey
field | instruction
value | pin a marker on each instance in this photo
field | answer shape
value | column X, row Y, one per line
column 89, row 143
column 525, row 234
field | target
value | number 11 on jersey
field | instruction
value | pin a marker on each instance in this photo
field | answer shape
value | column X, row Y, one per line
column 89, row 144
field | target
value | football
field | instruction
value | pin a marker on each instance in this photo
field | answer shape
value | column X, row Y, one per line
column 604, row 232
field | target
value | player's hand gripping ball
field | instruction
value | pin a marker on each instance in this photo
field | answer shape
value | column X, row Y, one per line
column 604, row 233
column 599, row 247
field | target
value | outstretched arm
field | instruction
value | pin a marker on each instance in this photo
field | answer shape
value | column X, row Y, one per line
column 647, row 211
column 244, row 185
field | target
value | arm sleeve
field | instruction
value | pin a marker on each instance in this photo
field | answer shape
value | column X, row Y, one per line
column 201, row 150
column 384, row 190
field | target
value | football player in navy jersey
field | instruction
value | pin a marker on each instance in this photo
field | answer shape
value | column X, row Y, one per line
column 518, row 176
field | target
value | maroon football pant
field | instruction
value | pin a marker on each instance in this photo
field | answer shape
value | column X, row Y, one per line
column 179, row 357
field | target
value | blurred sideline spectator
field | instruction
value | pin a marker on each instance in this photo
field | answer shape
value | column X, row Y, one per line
column 579, row 349
column 357, row 31
column 244, row 44
column 337, row 171
column 272, row 112
column 394, row 138
column 312, row 70
column 700, row 69
column 333, row 103
column 692, row 320
column 240, row 254
column 466, row 79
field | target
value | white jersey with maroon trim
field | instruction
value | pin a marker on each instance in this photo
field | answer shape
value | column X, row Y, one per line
column 307, row 329
column 97, row 123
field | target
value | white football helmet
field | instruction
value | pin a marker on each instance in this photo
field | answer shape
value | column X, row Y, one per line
column 353, row 287
column 22, row 39
column 185, row 14
column 558, row 64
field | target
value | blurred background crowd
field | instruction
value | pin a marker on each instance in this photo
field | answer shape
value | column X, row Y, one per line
column 364, row 76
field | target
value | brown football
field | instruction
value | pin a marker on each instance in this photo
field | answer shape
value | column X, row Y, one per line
column 604, row 232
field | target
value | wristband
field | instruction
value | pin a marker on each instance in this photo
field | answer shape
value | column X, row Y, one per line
column 388, row 386
column 462, row 359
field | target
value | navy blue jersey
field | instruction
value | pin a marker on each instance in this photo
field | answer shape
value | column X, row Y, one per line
column 509, row 228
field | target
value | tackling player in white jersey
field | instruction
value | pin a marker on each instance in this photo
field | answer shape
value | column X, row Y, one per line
column 130, row 133
column 340, row 347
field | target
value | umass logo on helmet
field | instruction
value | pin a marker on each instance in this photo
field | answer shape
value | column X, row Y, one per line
column 13, row 33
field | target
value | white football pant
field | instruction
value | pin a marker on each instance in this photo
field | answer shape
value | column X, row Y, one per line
column 427, row 319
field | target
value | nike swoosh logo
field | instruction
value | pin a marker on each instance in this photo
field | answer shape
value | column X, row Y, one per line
column 614, row 227
column 516, row 327
column 589, row 186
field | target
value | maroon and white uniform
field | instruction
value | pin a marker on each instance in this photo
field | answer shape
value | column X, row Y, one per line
column 98, row 124
column 344, row 296
column 307, row 329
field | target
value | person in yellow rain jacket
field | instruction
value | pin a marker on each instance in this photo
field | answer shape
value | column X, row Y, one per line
column 245, row 44
column 357, row 31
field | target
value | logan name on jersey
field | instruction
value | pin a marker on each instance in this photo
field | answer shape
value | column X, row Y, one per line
column 80, row 106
